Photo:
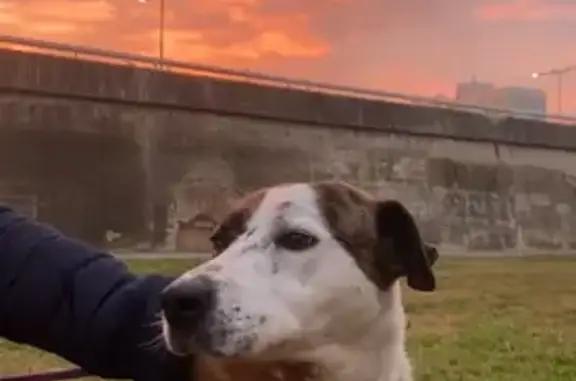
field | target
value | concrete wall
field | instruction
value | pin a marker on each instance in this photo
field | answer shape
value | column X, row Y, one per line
column 136, row 156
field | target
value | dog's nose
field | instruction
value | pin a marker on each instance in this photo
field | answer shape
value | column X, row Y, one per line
column 187, row 303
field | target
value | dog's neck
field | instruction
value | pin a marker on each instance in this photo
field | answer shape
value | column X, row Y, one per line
column 374, row 355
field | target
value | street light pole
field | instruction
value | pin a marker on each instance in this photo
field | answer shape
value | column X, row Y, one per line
column 161, row 32
column 560, row 79
column 161, row 29
column 559, row 73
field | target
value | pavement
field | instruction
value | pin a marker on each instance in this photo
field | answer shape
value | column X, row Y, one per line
column 162, row 255
column 444, row 252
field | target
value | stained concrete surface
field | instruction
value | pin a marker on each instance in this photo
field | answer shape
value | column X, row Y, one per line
column 138, row 160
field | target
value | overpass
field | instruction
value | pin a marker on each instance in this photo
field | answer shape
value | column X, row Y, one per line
column 135, row 157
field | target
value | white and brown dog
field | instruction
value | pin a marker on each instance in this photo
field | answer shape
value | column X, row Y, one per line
column 305, row 287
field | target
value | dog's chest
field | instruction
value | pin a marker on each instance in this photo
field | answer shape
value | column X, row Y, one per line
column 211, row 369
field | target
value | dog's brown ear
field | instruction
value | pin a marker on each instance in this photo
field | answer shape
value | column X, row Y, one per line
column 400, row 249
column 228, row 230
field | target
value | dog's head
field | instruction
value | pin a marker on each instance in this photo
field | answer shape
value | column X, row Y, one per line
column 298, row 266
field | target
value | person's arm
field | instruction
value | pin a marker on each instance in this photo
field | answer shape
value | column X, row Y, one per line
column 81, row 303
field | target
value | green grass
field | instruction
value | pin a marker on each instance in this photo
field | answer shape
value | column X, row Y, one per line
column 497, row 320
column 490, row 320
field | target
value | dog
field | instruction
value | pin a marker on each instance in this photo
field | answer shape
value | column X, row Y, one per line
column 305, row 286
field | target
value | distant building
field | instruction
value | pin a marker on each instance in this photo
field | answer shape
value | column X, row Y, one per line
column 517, row 99
column 475, row 93
column 521, row 99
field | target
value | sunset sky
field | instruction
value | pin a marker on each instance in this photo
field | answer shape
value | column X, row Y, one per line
column 409, row 46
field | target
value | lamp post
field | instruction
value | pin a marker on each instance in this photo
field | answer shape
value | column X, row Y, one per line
column 559, row 74
column 161, row 28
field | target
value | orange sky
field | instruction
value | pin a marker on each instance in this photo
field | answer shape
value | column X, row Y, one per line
column 410, row 46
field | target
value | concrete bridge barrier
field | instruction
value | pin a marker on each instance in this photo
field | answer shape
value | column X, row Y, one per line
column 139, row 159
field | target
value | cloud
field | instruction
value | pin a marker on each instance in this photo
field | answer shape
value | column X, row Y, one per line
column 416, row 46
column 527, row 10
column 217, row 30
column 54, row 17
column 208, row 31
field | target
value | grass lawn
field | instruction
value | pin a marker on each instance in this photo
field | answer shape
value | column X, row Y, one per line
column 491, row 320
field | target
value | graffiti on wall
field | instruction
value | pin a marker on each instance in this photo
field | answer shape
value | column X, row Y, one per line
column 473, row 206
column 529, row 208
column 478, row 220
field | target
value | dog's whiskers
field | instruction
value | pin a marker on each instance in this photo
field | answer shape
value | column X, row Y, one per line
column 156, row 344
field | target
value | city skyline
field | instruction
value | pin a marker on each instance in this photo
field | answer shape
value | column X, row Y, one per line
column 422, row 47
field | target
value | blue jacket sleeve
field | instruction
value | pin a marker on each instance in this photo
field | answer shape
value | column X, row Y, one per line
column 68, row 298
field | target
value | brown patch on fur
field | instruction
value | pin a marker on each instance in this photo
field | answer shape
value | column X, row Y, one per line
column 219, row 369
column 350, row 214
column 234, row 224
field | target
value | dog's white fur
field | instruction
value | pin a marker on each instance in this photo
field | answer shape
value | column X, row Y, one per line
column 315, row 306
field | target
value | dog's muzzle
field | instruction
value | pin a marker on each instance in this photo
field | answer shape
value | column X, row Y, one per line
column 186, row 306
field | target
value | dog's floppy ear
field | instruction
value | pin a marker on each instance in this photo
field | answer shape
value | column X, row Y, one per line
column 400, row 248
column 228, row 230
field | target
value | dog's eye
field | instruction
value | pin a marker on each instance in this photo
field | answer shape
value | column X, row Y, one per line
column 295, row 240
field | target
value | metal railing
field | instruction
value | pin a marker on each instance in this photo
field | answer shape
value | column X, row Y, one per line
column 102, row 55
